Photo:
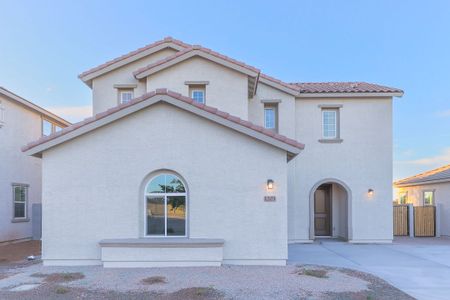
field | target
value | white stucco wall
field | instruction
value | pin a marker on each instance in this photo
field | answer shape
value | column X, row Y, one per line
column 21, row 127
column 362, row 161
column 227, row 89
column 286, row 109
column 441, row 197
column 105, row 96
column 92, row 186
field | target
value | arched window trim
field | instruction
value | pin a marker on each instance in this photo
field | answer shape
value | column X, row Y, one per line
column 165, row 195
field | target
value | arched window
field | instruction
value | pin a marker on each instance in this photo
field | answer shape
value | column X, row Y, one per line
column 165, row 201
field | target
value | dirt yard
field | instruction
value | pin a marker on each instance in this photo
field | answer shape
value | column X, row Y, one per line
column 18, row 252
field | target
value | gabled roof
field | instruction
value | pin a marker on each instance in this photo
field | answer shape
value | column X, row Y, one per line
column 36, row 108
column 344, row 87
column 196, row 51
column 167, row 42
column 291, row 146
column 438, row 175
column 297, row 89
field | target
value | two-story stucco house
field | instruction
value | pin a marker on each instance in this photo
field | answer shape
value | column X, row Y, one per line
column 194, row 158
column 20, row 175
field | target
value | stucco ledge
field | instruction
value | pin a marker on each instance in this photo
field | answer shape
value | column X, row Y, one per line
column 163, row 243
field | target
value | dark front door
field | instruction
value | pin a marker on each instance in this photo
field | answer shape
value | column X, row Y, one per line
column 322, row 211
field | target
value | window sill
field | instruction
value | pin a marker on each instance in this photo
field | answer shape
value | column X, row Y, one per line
column 331, row 141
column 20, row 220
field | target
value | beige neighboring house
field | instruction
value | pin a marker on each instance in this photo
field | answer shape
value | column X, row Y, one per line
column 428, row 188
column 20, row 175
column 195, row 158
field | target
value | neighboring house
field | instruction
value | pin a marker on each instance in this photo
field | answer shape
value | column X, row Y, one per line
column 429, row 188
column 191, row 158
column 20, row 175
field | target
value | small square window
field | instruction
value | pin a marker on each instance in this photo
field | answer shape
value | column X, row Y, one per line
column 198, row 96
column 125, row 96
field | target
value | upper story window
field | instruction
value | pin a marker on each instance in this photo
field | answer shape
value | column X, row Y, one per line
column 49, row 127
column 125, row 96
column 198, row 92
column 271, row 116
column 329, row 123
column 428, row 198
column 165, row 206
column 20, row 201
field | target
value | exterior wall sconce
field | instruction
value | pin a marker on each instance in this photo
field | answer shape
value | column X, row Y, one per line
column 269, row 184
column 370, row 192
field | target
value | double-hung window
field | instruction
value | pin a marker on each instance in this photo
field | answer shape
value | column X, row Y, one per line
column 20, row 202
column 165, row 207
column 330, row 123
column 271, row 116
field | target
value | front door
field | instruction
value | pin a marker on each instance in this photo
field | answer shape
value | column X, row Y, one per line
column 322, row 211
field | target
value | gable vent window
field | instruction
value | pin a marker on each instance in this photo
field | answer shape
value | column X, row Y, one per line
column 125, row 96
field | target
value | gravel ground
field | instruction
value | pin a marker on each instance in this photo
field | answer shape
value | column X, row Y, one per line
column 226, row 282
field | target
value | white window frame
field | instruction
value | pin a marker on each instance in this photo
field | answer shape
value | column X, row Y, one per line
column 165, row 195
column 336, row 123
column 125, row 91
column 201, row 91
column 433, row 199
column 271, row 107
column 25, row 217
column 51, row 126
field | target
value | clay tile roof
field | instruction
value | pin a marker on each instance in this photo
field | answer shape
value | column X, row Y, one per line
column 343, row 87
column 439, row 174
column 125, row 56
column 190, row 49
column 174, row 95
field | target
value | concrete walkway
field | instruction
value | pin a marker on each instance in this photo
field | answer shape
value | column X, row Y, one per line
column 419, row 267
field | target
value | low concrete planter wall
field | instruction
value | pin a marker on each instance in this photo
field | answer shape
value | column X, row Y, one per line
column 134, row 253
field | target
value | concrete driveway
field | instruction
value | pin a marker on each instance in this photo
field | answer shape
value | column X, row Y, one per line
column 419, row 267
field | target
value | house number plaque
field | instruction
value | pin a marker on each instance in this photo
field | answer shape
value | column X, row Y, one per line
column 270, row 199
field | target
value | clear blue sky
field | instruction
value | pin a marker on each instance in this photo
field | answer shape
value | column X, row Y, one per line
column 44, row 45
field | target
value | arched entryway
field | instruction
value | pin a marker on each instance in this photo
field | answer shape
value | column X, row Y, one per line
column 330, row 210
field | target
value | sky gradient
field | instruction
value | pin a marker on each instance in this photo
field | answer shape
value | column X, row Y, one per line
column 405, row 44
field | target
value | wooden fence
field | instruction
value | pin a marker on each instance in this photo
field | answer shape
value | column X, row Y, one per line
column 401, row 220
column 424, row 221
